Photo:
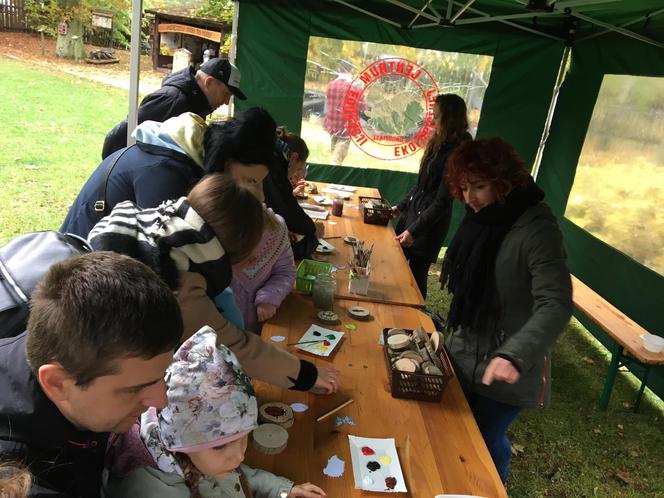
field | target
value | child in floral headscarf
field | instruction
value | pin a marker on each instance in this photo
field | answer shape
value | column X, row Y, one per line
column 196, row 444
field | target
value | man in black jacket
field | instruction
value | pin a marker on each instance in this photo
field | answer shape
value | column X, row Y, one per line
column 200, row 92
column 101, row 332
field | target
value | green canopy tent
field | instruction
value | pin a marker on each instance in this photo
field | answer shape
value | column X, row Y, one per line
column 530, row 41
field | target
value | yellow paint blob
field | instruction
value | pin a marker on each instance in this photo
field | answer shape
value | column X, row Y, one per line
column 385, row 460
column 323, row 348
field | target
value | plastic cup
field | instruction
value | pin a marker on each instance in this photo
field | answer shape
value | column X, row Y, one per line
column 338, row 206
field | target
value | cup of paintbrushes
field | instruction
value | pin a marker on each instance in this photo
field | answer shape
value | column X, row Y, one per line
column 358, row 279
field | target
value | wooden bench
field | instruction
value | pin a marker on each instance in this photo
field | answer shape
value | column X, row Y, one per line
column 625, row 332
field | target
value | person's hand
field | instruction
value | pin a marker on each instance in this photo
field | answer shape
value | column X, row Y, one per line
column 500, row 369
column 306, row 490
column 320, row 229
column 298, row 188
column 395, row 212
column 327, row 381
column 265, row 311
column 405, row 239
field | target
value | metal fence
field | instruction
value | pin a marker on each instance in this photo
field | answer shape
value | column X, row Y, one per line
column 12, row 15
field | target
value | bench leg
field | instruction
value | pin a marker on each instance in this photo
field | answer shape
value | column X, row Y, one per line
column 644, row 381
column 611, row 376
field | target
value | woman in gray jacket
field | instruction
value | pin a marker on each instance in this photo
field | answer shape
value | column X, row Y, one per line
column 511, row 289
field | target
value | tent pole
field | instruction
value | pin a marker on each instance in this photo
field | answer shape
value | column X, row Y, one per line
column 412, row 9
column 634, row 21
column 622, row 31
column 475, row 20
column 435, row 12
column 514, row 25
column 462, row 10
column 134, row 68
column 371, row 14
column 419, row 13
column 552, row 107
column 427, row 25
column 232, row 51
column 449, row 9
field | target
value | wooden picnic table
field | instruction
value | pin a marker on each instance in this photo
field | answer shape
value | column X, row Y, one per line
column 391, row 280
column 439, row 444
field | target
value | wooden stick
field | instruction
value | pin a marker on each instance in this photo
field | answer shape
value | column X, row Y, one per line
column 334, row 410
column 330, row 238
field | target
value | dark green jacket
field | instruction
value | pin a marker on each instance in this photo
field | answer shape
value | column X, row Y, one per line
column 532, row 305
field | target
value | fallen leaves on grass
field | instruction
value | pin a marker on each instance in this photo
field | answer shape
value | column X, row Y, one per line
column 588, row 360
column 517, row 448
column 624, row 476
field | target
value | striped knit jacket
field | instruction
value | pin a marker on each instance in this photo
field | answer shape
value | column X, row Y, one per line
column 169, row 238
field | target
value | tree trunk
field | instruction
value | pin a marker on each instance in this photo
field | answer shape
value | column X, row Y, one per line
column 70, row 45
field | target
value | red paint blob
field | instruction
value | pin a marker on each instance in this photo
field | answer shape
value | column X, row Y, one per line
column 326, row 343
column 275, row 411
column 367, row 451
column 390, row 482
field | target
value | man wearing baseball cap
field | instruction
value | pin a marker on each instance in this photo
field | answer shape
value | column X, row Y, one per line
column 188, row 90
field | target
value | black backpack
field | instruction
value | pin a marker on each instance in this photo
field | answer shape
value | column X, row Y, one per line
column 23, row 262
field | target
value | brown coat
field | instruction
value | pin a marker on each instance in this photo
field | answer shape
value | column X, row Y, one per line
column 259, row 359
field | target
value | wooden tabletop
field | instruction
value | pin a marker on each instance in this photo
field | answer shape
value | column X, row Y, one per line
column 391, row 280
column 439, row 445
column 611, row 320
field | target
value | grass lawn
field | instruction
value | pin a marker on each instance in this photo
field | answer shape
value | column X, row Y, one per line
column 52, row 132
column 53, row 128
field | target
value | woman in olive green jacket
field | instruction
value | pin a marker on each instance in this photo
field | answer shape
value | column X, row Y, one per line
column 510, row 286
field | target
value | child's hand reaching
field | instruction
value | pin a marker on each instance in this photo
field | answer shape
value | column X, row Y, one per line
column 306, row 490
column 265, row 311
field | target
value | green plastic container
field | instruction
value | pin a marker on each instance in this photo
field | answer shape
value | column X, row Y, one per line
column 307, row 267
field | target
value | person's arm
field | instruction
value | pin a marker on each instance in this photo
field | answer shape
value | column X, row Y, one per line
column 259, row 359
column 280, row 282
column 265, row 484
column 552, row 300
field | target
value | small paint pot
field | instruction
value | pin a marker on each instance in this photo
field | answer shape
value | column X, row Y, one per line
column 359, row 313
column 395, row 331
column 437, row 341
column 412, row 355
column 432, row 370
column 350, row 239
column 398, row 342
column 406, row 365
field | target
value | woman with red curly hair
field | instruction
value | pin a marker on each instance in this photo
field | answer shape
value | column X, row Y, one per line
column 510, row 286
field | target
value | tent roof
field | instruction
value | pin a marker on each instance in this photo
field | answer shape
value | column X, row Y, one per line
column 640, row 19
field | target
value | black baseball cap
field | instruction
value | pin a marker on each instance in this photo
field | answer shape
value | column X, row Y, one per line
column 227, row 73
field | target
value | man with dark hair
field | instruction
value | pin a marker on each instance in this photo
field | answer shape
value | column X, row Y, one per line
column 101, row 333
column 200, row 92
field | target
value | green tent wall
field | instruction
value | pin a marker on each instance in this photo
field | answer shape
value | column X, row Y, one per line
column 272, row 48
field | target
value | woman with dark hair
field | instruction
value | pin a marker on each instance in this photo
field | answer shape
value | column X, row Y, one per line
column 291, row 154
column 425, row 212
column 169, row 158
column 510, row 286
column 191, row 243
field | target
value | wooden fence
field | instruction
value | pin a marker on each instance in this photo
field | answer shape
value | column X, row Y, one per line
column 12, row 15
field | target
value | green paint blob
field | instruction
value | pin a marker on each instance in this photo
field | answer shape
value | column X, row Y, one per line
column 351, row 326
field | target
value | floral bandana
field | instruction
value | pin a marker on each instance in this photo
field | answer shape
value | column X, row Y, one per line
column 211, row 402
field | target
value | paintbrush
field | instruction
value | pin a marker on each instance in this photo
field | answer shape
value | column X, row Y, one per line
column 306, row 342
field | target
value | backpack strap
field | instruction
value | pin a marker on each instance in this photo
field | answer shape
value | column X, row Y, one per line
column 101, row 206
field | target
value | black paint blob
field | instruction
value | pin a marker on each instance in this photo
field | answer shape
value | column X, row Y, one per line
column 373, row 466
column 317, row 334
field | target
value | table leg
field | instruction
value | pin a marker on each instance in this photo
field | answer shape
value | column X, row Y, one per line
column 610, row 376
column 644, row 381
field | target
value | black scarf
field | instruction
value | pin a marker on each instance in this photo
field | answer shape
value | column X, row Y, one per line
column 469, row 264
